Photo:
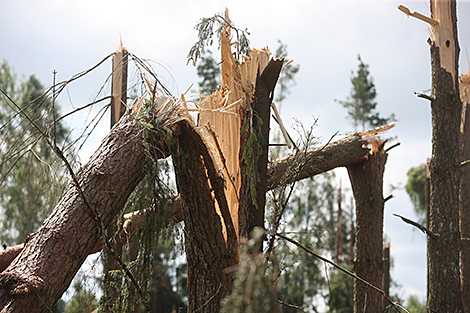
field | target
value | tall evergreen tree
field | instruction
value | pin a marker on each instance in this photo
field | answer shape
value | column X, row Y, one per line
column 30, row 176
column 287, row 78
column 416, row 189
column 361, row 103
column 208, row 72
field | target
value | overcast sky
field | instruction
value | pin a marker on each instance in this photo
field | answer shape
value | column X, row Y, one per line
column 323, row 37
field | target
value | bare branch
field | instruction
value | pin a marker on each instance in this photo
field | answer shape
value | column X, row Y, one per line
column 397, row 306
column 419, row 226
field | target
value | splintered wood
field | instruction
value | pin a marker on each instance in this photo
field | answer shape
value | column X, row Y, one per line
column 221, row 114
column 119, row 85
column 443, row 36
column 372, row 137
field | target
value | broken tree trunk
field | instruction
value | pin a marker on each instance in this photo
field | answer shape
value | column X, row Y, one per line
column 209, row 255
column 444, row 244
column 254, row 150
column 118, row 108
column 119, row 85
column 52, row 255
column 234, row 127
column 367, row 184
column 236, row 118
column 291, row 168
column 446, row 109
column 465, row 192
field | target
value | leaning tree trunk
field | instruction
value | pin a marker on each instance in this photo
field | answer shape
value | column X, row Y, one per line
column 208, row 253
column 343, row 152
column 444, row 294
column 367, row 184
column 52, row 255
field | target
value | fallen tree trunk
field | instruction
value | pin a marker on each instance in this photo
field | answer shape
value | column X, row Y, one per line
column 291, row 168
column 52, row 255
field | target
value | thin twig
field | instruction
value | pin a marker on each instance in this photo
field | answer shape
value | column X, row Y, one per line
column 298, row 308
column 393, row 146
column 209, row 300
column 388, row 198
column 81, row 108
column 424, row 96
column 342, row 269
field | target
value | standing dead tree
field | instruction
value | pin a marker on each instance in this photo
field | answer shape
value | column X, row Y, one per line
column 367, row 184
column 444, row 241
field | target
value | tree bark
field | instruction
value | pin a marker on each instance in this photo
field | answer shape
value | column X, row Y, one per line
column 367, row 184
column 208, row 254
column 304, row 164
column 343, row 152
column 444, row 294
column 52, row 255
column 386, row 279
column 252, row 204
column 465, row 193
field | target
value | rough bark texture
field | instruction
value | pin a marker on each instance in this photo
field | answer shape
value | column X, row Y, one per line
column 465, row 193
column 343, row 152
column 251, row 213
column 386, row 279
column 52, row 255
column 208, row 255
column 444, row 294
column 367, row 184
column 295, row 167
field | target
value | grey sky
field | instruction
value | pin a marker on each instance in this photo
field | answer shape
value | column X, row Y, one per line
column 324, row 37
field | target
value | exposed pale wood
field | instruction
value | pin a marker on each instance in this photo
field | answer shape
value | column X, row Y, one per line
column 119, row 85
column 417, row 15
column 465, row 192
column 443, row 36
column 318, row 160
column 222, row 113
column 209, row 255
column 287, row 139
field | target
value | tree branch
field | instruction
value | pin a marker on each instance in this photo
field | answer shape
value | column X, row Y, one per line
column 397, row 306
column 339, row 153
column 419, row 226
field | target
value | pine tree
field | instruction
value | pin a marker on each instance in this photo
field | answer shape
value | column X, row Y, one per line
column 208, row 72
column 31, row 177
column 361, row 103
column 416, row 189
column 287, row 77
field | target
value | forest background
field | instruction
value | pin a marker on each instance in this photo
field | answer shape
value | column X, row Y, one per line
column 323, row 37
